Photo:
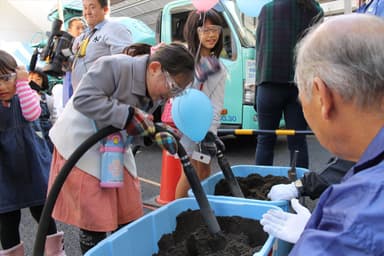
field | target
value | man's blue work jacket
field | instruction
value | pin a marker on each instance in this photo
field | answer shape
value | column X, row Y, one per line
column 349, row 217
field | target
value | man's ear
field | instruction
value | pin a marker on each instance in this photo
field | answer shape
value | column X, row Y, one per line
column 106, row 10
column 154, row 67
column 325, row 97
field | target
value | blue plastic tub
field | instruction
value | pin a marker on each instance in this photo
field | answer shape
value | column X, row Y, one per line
column 282, row 248
column 243, row 171
column 140, row 237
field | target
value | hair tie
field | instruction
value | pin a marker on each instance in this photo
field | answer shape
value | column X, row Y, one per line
column 155, row 48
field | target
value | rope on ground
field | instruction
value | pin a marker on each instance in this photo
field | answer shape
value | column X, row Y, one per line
column 149, row 181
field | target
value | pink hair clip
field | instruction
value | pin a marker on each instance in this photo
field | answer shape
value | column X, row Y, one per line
column 156, row 47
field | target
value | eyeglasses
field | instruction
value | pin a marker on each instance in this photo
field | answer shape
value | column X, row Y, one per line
column 173, row 87
column 7, row 77
column 214, row 29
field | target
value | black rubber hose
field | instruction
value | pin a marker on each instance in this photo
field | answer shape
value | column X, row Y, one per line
column 201, row 198
column 205, row 209
column 38, row 249
column 234, row 186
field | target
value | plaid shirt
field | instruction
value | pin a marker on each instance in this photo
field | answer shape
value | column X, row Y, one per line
column 281, row 24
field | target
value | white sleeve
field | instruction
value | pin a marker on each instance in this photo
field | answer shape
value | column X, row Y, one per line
column 57, row 95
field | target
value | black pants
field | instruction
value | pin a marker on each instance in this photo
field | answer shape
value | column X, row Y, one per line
column 275, row 101
column 9, row 226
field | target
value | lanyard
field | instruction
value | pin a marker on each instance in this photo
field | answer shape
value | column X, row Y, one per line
column 84, row 44
column 81, row 51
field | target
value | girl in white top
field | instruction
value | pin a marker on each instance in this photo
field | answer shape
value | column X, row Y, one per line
column 203, row 32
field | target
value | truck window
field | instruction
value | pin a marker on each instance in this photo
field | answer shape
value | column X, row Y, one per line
column 245, row 26
column 178, row 23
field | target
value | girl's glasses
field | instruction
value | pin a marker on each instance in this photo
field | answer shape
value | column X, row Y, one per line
column 214, row 29
column 173, row 87
column 7, row 77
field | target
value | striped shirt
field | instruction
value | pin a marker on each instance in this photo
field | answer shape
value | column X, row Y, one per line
column 29, row 101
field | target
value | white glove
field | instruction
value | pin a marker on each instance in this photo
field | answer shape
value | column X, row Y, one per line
column 284, row 225
column 283, row 192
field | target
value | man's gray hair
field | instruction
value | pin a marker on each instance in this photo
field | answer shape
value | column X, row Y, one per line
column 347, row 53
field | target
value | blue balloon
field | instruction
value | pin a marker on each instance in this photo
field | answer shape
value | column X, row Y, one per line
column 192, row 113
column 251, row 7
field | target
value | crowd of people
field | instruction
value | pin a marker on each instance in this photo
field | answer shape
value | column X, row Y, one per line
column 325, row 74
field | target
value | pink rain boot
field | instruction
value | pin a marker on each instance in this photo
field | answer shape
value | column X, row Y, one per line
column 17, row 250
column 54, row 245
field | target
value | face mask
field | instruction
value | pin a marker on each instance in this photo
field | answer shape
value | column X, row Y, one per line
column 35, row 86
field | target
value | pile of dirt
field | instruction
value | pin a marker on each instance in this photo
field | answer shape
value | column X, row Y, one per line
column 240, row 236
column 254, row 186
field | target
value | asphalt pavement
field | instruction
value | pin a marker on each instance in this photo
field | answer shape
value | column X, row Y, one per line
column 239, row 150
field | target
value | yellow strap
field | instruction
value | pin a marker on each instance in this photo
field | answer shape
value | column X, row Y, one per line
column 83, row 47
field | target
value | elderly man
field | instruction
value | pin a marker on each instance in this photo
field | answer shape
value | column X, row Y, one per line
column 340, row 75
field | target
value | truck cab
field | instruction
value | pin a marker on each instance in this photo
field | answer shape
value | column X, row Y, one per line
column 238, row 56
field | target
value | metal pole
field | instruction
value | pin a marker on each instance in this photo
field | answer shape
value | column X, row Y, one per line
column 60, row 10
column 347, row 6
column 255, row 132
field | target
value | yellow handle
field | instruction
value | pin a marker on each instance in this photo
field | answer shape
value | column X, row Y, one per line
column 285, row 132
column 244, row 132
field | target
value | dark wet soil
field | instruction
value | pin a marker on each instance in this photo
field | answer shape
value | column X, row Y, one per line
column 240, row 237
column 253, row 186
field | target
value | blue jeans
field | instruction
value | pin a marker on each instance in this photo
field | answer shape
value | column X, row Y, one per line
column 274, row 101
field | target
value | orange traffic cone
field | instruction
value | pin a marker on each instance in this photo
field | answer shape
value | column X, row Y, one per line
column 170, row 173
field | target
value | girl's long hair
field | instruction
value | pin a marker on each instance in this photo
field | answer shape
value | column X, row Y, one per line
column 196, row 19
